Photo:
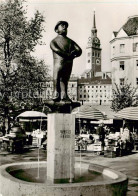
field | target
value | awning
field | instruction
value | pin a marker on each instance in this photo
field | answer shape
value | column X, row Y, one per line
column 88, row 112
column 129, row 113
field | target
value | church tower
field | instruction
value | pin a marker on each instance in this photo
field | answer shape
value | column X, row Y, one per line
column 93, row 51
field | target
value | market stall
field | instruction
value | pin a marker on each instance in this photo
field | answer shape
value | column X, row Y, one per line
column 130, row 121
column 85, row 116
column 35, row 124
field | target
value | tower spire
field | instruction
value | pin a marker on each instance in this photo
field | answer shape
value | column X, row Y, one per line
column 94, row 22
column 94, row 30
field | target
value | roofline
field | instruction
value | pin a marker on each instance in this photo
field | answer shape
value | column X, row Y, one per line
column 128, row 37
column 134, row 16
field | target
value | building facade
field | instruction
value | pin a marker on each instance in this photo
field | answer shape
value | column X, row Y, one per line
column 124, row 53
column 97, row 91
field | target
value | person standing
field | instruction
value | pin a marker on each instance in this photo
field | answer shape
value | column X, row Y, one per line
column 101, row 133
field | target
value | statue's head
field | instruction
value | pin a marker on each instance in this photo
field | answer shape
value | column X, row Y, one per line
column 61, row 28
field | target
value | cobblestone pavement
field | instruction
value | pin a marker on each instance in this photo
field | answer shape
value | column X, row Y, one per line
column 126, row 164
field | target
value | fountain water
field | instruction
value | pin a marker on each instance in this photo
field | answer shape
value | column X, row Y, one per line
column 108, row 183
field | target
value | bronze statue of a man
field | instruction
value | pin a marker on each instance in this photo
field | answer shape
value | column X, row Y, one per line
column 64, row 51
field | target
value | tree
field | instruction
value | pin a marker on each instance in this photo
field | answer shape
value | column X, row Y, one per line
column 19, row 71
column 124, row 96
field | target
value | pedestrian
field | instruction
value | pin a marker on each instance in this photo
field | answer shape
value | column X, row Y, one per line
column 101, row 133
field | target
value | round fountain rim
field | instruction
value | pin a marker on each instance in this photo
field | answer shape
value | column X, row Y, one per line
column 119, row 177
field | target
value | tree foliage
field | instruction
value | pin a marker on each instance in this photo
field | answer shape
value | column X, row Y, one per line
column 19, row 71
column 124, row 96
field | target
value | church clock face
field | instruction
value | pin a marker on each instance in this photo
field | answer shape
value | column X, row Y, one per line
column 96, row 40
column 97, row 61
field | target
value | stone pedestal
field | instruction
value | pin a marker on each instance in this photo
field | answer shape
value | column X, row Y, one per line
column 62, row 106
column 60, row 147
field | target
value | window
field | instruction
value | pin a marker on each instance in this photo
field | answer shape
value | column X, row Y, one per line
column 92, row 53
column 122, row 48
column 121, row 81
column 80, row 96
column 135, row 47
column 136, row 81
column 136, row 64
column 89, row 53
column 122, row 65
column 104, row 76
column 88, row 61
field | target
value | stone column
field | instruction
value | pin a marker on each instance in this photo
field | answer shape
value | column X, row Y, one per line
column 60, row 147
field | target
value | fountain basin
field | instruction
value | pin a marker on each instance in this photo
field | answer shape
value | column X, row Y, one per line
column 115, row 183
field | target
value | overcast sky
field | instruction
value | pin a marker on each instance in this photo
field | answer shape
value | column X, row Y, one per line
column 110, row 16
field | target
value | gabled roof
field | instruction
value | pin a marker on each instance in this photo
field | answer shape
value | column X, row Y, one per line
column 130, row 27
column 121, row 33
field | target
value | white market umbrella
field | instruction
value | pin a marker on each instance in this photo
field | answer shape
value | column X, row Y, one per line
column 129, row 113
column 32, row 116
column 88, row 112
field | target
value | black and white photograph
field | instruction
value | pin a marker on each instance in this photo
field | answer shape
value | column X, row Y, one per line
column 68, row 97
